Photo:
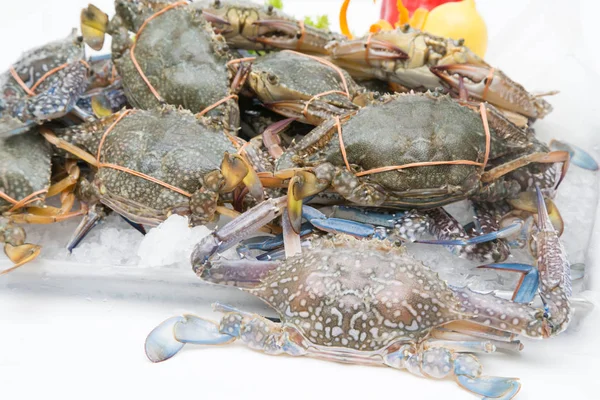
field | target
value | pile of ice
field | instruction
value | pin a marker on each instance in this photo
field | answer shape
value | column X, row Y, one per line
column 114, row 242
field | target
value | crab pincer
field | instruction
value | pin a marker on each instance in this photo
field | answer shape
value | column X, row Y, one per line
column 486, row 83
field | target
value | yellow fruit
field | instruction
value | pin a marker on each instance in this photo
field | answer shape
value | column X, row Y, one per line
column 459, row 21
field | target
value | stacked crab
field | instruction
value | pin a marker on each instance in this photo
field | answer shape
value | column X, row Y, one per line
column 230, row 108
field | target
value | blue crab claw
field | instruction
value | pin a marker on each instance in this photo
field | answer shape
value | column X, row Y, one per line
column 268, row 243
column 491, row 387
column 502, row 233
column 528, row 284
column 198, row 330
column 161, row 343
column 579, row 156
column 172, row 334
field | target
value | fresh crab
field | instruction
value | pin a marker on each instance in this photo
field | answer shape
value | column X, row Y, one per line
column 437, row 152
column 25, row 183
column 44, row 84
column 315, row 91
column 151, row 164
column 433, row 61
column 367, row 302
column 191, row 70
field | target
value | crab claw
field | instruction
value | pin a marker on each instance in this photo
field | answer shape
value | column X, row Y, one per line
column 488, row 84
column 491, row 387
column 315, row 113
column 578, row 156
column 502, row 233
column 528, row 284
column 367, row 50
column 236, row 170
column 291, row 35
column 93, row 26
column 528, row 201
column 220, row 25
column 20, row 255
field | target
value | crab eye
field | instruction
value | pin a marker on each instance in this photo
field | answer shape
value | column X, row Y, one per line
column 217, row 3
column 272, row 79
column 270, row 9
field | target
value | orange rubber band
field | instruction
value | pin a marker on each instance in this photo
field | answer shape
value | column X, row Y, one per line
column 482, row 111
column 147, row 177
column 218, row 103
column 302, row 35
column 316, row 96
column 240, row 60
column 137, row 36
column 327, row 63
column 128, row 170
column 342, row 146
column 110, row 128
column 486, row 128
column 23, row 202
column 31, row 91
column 17, row 78
column 490, row 78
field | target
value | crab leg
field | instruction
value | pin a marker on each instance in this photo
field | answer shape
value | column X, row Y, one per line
column 235, row 231
column 554, row 288
column 261, row 334
column 548, row 158
column 255, row 331
column 411, row 226
column 291, row 35
column 15, row 248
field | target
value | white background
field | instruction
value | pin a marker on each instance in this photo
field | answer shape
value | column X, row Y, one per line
column 81, row 335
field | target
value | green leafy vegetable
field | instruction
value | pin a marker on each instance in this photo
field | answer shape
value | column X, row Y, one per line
column 278, row 4
column 321, row 22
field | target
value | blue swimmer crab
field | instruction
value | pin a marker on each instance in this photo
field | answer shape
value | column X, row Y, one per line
column 435, row 153
column 44, row 84
column 315, row 91
column 367, row 302
column 189, row 70
column 151, row 164
column 433, row 61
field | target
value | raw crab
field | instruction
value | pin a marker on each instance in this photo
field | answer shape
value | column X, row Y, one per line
column 315, row 91
column 370, row 303
column 435, row 60
column 189, row 70
column 44, row 84
column 158, row 162
column 434, row 154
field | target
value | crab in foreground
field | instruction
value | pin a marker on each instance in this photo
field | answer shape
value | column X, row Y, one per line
column 367, row 302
